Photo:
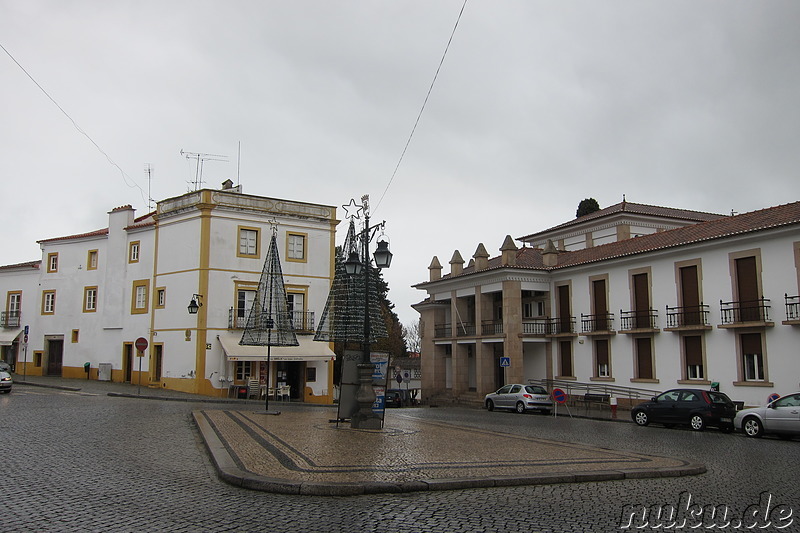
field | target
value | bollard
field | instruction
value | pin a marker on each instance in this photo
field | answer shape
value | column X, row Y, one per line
column 613, row 402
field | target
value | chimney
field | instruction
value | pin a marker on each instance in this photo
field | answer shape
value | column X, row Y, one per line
column 481, row 257
column 550, row 254
column 456, row 264
column 435, row 269
column 509, row 252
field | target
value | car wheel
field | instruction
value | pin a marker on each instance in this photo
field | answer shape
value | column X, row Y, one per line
column 640, row 417
column 520, row 407
column 489, row 405
column 752, row 427
column 697, row 423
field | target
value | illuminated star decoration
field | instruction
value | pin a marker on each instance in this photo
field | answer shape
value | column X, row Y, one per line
column 352, row 209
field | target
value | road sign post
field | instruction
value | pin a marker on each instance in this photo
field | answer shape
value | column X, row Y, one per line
column 560, row 397
column 141, row 346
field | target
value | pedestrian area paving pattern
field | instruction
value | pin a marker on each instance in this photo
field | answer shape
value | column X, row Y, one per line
column 305, row 453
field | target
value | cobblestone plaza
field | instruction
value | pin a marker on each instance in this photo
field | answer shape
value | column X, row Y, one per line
column 81, row 460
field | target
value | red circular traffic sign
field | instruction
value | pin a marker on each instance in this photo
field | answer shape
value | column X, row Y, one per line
column 141, row 344
column 559, row 396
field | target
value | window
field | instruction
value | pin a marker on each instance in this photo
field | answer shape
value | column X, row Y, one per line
column 13, row 307
column 133, row 252
column 91, row 260
column 89, row 299
column 565, row 358
column 644, row 358
column 244, row 303
column 693, row 356
column 295, row 304
column 295, row 247
column 244, row 370
column 311, row 374
column 141, row 288
column 75, row 335
column 161, row 298
column 248, row 242
column 752, row 357
column 602, row 360
column 52, row 262
column 48, row 302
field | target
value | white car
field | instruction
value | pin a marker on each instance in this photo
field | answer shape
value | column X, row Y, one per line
column 780, row 417
column 520, row 398
column 5, row 382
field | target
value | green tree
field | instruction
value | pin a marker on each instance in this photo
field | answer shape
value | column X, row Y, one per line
column 589, row 205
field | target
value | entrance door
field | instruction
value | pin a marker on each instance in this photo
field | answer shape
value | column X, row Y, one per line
column 55, row 355
column 127, row 361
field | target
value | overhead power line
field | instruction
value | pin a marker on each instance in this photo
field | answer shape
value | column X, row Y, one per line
column 419, row 116
column 125, row 176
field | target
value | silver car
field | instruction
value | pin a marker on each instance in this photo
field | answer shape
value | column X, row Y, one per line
column 5, row 382
column 520, row 398
column 780, row 417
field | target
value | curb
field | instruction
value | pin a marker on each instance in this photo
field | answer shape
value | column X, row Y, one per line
column 229, row 471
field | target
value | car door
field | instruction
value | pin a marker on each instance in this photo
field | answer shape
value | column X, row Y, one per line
column 512, row 396
column 687, row 403
column 501, row 396
column 664, row 409
column 783, row 415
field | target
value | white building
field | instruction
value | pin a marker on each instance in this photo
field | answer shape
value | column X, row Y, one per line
column 93, row 295
column 713, row 299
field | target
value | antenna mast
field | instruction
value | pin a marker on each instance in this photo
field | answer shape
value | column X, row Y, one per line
column 200, row 158
column 149, row 171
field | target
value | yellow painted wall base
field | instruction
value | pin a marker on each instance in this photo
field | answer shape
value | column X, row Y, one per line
column 310, row 398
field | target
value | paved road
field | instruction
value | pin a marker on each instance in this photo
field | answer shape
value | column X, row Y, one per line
column 84, row 461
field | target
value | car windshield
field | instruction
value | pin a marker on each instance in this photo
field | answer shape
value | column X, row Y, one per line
column 535, row 389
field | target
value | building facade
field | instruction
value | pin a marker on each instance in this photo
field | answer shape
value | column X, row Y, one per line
column 93, row 295
column 670, row 298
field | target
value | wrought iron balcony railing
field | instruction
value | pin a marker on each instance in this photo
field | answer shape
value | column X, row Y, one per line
column 598, row 322
column 561, row 325
column 303, row 321
column 492, row 327
column 691, row 315
column 738, row 312
column 10, row 319
column 792, row 307
column 638, row 319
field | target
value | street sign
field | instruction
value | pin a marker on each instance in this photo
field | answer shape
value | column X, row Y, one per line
column 505, row 362
column 559, row 396
column 772, row 397
column 398, row 378
column 141, row 344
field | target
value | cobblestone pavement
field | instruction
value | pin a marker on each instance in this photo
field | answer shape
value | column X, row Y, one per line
column 85, row 461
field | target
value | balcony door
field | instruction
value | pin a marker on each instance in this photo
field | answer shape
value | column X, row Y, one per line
column 747, row 289
column 600, row 305
column 641, row 301
column 690, row 296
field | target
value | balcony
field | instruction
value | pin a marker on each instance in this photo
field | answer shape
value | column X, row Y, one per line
column 638, row 321
column 463, row 329
column 561, row 327
column 792, row 304
column 693, row 317
column 10, row 319
column 303, row 321
column 599, row 324
column 745, row 313
column 537, row 327
column 491, row 328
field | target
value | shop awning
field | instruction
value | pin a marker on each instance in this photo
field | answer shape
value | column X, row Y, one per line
column 309, row 350
column 8, row 336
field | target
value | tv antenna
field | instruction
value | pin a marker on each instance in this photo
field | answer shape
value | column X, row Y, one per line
column 148, row 169
column 201, row 158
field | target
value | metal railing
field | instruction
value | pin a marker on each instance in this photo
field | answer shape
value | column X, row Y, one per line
column 492, row 327
column 577, row 389
column 598, row 322
column 792, row 307
column 561, row 325
column 303, row 321
column 638, row 319
column 692, row 315
column 10, row 319
column 737, row 312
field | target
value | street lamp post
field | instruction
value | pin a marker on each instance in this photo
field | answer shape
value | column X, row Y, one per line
column 359, row 261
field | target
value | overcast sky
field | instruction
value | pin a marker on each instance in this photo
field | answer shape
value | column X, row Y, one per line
column 538, row 105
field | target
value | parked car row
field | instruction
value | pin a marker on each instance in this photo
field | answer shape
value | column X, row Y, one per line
column 696, row 408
